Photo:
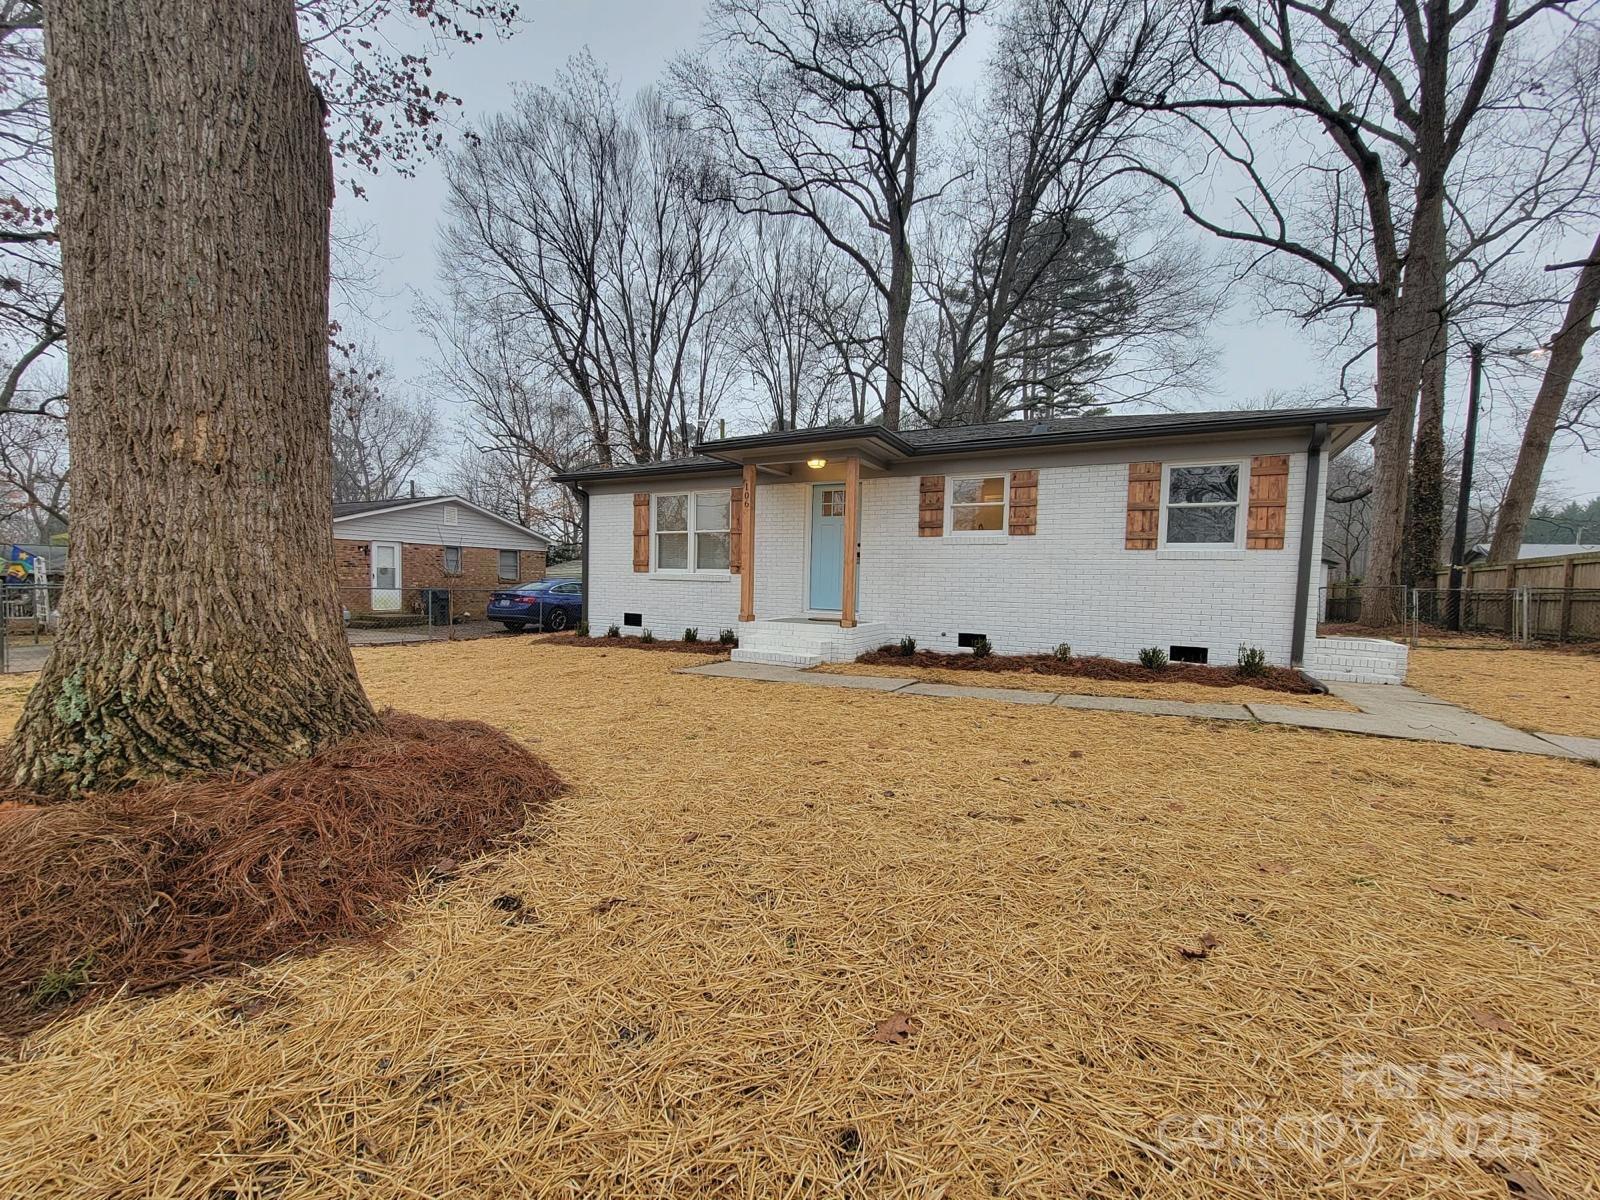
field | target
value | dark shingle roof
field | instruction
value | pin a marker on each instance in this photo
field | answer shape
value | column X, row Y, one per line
column 997, row 435
column 957, row 437
column 349, row 508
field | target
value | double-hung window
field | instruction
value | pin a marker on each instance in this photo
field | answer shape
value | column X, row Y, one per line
column 978, row 504
column 692, row 531
column 509, row 567
column 1200, row 505
column 452, row 560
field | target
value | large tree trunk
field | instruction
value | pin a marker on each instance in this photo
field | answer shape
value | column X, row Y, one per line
column 1408, row 326
column 1425, row 502
column 201, row 629
column 897, row 315
column 1566, row 354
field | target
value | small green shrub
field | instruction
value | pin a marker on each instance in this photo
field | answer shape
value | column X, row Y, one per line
column 1252, row 661
column 1063, row 651
column 647, row 636
column 906, row 647
column 981, row 648
column 1153, row 657
column 691, row 634
column 60, row 984
column 728, row 637
column 613, row 631
column 583, row 629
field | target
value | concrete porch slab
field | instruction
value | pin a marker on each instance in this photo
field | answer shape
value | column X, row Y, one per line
column 771, row 673
column 962, row 692
column 1371, row 697
column 1415, row 722
column 1583, row 747
column 1160, row 708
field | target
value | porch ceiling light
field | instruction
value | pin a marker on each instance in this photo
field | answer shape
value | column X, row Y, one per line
column 816, row 464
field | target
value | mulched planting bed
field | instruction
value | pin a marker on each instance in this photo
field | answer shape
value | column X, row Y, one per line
column 1274, row 679
column 166, row 883
column 634, row 643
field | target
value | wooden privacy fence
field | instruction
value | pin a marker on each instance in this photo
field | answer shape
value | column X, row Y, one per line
column 1544, row 598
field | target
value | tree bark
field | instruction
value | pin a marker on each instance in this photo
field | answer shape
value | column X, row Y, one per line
column 1425, row 504
column 201, row 629
column 1408, row 326
column 1566, row 354
column 896, row 316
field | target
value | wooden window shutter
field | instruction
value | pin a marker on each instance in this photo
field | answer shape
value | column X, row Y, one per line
column 1024, row 508
column 930, row 507
column 1269, row 502
column 641, row 532
column 1144, row 506
column 736, row 531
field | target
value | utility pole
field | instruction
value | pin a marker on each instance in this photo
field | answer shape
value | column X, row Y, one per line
column 1458, row 545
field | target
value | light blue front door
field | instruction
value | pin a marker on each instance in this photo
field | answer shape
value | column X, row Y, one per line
column 825, row 586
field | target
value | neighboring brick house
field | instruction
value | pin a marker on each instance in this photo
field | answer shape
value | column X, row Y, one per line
column 1185, row 531
column 387, row 552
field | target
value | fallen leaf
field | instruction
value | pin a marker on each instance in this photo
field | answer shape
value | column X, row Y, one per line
column 1075, row 754
column 1274, row 866
column 507, row 903
column 1447, row 893
column 1491, row 1020
column 897, row 1030
column 608, row 904
column 1207, row 943
column 248, row 1007
column 690, row 837
column 1520, row 1183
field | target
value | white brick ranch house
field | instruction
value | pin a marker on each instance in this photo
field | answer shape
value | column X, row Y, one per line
column 1194, row 532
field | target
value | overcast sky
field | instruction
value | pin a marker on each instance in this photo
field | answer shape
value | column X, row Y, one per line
column 635, row 39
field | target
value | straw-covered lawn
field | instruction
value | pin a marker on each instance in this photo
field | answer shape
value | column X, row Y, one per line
column 1077, row 685
column 1135, row 953
column 1546, row 690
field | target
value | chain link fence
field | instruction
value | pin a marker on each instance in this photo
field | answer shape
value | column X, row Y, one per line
column 28, row 628
column 387, row 616
column 1523, row 615
column 372, row 617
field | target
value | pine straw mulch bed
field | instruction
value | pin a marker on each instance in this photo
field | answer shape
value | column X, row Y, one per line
column 1089, row 676
column 1548, row 691
column 158, row 885
column 676, row 991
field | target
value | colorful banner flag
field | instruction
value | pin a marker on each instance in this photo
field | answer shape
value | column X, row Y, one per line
column 20, row 565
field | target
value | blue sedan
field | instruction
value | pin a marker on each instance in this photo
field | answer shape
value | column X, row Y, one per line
column 548, row 604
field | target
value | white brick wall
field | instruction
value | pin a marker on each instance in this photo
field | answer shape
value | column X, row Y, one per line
column 1357, row 660
column 1071, row 582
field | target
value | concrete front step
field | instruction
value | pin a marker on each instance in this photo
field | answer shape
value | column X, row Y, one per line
column 777, row 658
column 802, row 643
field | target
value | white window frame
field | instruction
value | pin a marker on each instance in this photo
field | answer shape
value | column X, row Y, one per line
column 693, row 570
column 1240, row 503
column 950, row 506
column 460, row 558
column 499, row 564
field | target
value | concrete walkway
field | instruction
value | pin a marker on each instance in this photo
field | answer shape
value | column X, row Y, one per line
column 1393, row 712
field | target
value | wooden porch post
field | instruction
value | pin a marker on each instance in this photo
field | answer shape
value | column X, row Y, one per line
column 852, row 507
column 747, row 545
